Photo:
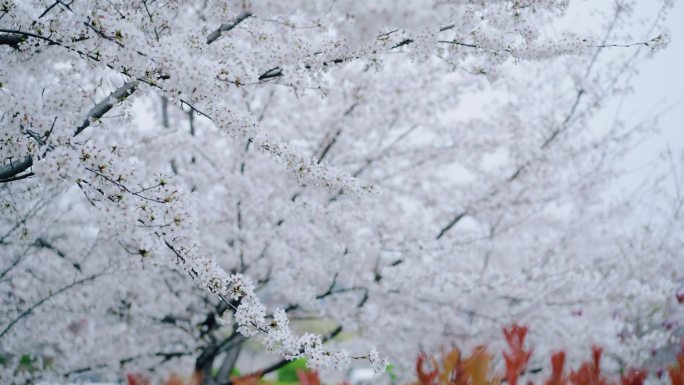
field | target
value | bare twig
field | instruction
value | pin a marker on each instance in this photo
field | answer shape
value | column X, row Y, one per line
column 40, row 302
column 227, row 27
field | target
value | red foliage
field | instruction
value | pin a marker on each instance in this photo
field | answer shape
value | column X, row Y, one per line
column 477, row 367
column 589, row 373
column 454, row 371
column 676, row 370
column 633, row 377
column 174, row 380
column 307, row 377
column 557, row 377
column 247, row 379
column 136, row 379
column 516, row 360
column 426, row 378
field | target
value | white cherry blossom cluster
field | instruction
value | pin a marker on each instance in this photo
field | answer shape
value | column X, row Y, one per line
column 153, row 240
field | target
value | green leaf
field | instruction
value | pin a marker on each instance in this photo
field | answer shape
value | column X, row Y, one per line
column 25, row 360
column 391, row 374
column 288, row 373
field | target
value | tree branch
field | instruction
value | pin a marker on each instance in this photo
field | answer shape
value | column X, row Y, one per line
column 11, row 39
column 100, row 109
column 33, row 307
column 284, row 362
column 10, row 171
column 564, row 126
column 449, row 225
column 227, row 27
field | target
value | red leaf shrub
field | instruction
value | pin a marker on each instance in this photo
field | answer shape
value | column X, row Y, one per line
column 475, row 369
column 515, row 360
